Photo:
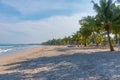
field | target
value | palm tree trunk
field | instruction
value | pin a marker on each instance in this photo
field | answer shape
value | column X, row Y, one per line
column 119, row 39
column 116, row 39
column 85, row 43
column 94, row 37
column 110, row 44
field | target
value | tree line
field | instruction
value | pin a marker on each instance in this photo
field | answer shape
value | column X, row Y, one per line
column 101, row 29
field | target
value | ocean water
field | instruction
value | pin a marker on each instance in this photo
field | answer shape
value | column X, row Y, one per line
column 7, row 49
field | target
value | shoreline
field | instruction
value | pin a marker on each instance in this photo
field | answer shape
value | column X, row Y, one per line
column 20, row 53
column 50, row 58
column 16, row 49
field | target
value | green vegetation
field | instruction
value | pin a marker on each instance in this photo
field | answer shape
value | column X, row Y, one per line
column 96, row 30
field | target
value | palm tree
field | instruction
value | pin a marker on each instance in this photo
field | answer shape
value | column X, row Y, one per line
column 105, row 11
column 116, row 23
column 91, row 23
column 76, row 38
column 85, row 33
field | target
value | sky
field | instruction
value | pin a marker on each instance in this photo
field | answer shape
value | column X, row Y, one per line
column 36, row 21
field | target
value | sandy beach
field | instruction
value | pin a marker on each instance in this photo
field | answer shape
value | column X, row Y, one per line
column 61, row 63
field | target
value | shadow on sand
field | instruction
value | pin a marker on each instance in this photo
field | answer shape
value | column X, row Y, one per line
column 78, row 66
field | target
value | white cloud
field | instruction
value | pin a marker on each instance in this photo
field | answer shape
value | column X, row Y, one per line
column 41, row 30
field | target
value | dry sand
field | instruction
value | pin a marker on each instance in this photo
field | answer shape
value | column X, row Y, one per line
column 61, row 63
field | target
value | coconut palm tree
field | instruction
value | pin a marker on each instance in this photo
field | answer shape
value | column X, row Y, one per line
column 105, row 11
column 116, row 23
column 91, row 23
column 85, row 33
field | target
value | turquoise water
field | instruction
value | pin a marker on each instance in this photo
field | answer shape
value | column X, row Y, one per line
column 7, row 49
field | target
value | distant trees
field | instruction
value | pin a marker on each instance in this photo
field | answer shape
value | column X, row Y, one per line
column 64, row 41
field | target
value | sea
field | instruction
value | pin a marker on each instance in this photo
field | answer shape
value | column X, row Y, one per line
column 7, row 49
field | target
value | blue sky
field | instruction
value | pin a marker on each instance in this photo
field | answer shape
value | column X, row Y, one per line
column 35, row 21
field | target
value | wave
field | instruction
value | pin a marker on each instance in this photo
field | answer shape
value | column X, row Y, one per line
column 7, row 49
column 4, row 50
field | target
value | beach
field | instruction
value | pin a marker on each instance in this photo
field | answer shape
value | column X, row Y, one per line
column 61, row 63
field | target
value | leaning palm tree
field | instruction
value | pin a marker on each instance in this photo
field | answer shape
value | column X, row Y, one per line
column 105, row 11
